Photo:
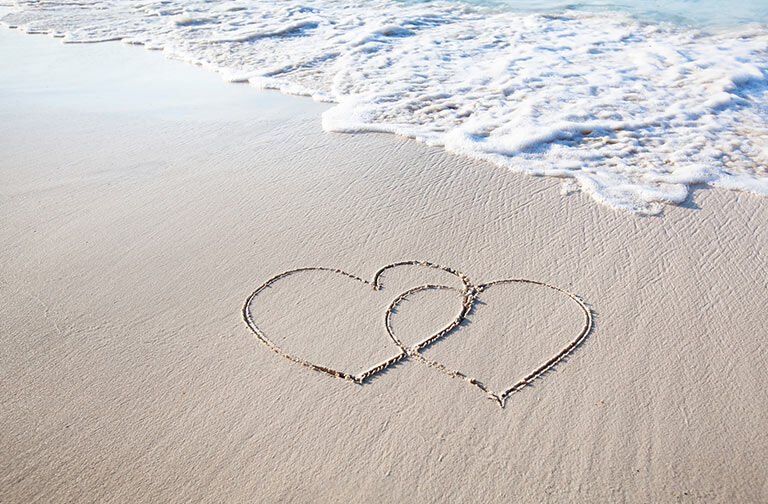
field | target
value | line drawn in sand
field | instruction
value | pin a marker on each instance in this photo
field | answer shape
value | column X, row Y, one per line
column 469, row 292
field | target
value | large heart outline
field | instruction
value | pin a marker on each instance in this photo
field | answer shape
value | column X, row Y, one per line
column 471, row 292
column 376, row 285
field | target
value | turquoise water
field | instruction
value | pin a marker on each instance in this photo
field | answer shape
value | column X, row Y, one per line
column 705, row 14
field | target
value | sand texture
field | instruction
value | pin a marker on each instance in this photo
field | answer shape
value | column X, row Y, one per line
column 143, row 201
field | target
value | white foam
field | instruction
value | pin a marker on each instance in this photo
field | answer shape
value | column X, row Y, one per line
column 634, row 113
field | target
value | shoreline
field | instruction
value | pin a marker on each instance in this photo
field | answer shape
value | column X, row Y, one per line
column 142, row 208
column 630, row 114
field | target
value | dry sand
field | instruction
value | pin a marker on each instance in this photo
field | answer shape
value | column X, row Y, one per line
column 143, row 201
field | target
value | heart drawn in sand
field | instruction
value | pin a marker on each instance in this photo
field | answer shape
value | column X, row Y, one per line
column 259, row 327
column 500, row 396
column 468, row 293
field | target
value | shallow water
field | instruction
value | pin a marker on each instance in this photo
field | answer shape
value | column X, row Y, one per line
column 631, row 110
column 707, row 14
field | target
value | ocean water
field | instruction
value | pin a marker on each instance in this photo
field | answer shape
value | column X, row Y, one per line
column 705, row 14
column 630, row 102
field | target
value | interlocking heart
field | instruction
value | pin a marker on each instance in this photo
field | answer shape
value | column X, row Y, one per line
column 310, row 285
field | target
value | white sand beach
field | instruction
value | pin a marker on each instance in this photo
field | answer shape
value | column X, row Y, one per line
column 143, row 200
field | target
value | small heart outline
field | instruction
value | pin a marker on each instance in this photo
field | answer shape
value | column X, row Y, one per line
column 470, row 293
column 359, row 378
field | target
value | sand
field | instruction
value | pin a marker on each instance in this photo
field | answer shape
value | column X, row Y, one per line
column 144, row 200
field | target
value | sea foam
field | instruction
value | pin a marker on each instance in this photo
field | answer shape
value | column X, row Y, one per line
column 632, row 113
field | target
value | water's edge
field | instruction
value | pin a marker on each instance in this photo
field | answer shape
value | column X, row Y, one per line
column 632, row 113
